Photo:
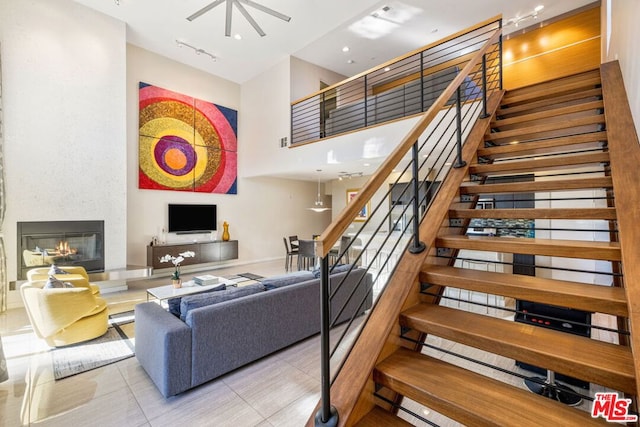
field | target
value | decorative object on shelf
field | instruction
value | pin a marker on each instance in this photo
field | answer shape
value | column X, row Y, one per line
column 363, row 215
column 243, row 11
column 176, row 260
column 318, row 205
column 186, row 144
column 225, row 232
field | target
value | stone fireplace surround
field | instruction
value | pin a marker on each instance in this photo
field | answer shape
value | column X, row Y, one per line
column 42, row 243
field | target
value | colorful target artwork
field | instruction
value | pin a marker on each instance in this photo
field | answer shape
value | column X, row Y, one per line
column 186, row 144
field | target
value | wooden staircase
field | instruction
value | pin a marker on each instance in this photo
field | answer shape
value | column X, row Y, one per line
column 555, row 131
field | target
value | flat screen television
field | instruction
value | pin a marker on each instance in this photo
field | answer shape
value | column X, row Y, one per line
column 185, row 219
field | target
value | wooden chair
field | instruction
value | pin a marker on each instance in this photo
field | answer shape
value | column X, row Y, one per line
column 293, row 242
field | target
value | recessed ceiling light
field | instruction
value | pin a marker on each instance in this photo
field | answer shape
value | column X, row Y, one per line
column 345, row 49
column 351, row 61
column 539, row 8
column 367, row 164
column 237, row 37
column 435, row 30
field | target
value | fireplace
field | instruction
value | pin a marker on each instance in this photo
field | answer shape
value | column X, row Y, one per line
column 42, row 243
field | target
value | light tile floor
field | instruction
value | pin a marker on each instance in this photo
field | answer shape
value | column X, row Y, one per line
column 279, row 390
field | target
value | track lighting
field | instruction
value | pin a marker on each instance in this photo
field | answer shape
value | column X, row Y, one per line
column 197, row 50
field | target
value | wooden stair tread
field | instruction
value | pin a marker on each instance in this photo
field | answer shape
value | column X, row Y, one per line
column 470, row 398
column 579, row 296
column 593, row 105
column 546, row 127
column 542, row 146
column 607, row 251
column 580, row 357
column 538, row 164
column 378, row 417
column 548, row 102
column 557, row 83
column 524, row 213
column 519, row 96
column 528, row 187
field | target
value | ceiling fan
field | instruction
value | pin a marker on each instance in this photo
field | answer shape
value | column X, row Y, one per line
column 243, row 11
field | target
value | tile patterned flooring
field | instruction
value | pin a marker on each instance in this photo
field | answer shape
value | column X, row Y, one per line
column 279, row 390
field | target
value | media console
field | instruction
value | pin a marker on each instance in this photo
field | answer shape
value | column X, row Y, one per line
column 213, row 251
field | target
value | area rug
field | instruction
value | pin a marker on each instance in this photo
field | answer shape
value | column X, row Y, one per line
column 115, row 345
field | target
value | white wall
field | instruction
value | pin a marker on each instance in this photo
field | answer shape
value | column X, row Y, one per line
column 265, row 209
column 306, row 78
column 63, row 68
column 625, row 33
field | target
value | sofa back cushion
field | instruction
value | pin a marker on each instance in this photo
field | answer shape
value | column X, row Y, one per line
column 174, row 303
column 192, row 302
column 287, row 279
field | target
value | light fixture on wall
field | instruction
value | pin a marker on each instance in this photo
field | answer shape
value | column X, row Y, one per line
column 518, row 19
column 239, row 5
column 318, row 205
column 197, row 50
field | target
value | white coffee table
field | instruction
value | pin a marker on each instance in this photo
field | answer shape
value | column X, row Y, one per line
column 166, row 292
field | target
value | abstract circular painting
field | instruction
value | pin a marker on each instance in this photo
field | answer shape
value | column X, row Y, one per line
column 186, row 144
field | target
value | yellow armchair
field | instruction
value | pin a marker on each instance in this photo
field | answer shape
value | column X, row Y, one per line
column 63, row 316
column 77, row 276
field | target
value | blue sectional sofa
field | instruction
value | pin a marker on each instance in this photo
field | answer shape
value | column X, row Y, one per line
column 240, row 326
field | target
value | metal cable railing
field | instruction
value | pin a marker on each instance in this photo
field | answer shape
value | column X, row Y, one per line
column 400, row 88
column 393, row 202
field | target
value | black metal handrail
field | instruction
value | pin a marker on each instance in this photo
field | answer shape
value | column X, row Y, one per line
column 391, row 219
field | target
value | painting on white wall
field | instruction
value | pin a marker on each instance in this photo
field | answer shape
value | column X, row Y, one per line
column 186, row 144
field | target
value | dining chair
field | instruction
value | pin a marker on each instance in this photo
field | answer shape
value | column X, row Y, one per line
column 288, row 261
column 341, row 252
column 306, row 254
column 293, row 242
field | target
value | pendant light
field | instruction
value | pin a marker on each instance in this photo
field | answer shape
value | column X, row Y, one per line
column 318, row 205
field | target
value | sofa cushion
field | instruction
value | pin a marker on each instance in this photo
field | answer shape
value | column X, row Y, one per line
column 287, row 279
column 340, row 268
column 209, row 298
column 56, row 270
column 174, row 303
column 52, row 282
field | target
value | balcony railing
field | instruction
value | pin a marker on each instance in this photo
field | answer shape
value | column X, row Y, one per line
column 400, row 88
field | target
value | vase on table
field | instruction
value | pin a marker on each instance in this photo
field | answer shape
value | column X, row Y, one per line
column 225, row 232
column 177, row 283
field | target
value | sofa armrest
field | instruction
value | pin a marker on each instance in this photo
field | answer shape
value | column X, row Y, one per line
column 163, row 348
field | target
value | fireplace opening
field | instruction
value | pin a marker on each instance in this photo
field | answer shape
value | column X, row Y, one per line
column 42, row 243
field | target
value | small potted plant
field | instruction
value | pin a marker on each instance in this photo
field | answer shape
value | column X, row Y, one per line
column 176, row 260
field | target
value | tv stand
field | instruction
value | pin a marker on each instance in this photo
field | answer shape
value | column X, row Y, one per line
column 213, row 251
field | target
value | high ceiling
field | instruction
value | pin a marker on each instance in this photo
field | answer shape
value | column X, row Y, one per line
column 317, row 31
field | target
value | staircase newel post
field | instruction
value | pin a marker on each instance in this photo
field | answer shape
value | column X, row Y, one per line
column 417, row 246
column 459, row 162
column 327, row 416
column 485, row 113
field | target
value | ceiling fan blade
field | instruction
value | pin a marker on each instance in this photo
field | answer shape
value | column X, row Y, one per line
column 266, row 10
column 204, row 10
column 227, row 24
column 249, row 18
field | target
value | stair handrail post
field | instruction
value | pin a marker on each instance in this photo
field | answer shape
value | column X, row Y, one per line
column 500, row 55
column 459, row 162
column 323, row 131
column 484, row 114
column 327, row 416
column 417, row 246
column 366, row 103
